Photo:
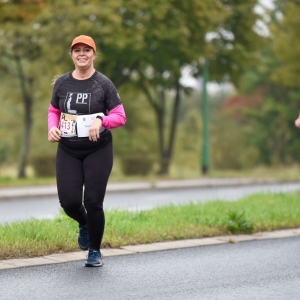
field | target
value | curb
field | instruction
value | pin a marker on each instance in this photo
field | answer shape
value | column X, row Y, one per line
column 49, row 191
column 135, row 249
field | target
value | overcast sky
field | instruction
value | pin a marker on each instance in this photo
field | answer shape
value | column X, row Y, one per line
column 268, row 3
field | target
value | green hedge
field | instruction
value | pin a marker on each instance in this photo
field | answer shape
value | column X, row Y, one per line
column 137, row 165
column 43, row 165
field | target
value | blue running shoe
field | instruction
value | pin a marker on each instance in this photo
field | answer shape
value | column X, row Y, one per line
column 83, row 237
column 94, row 259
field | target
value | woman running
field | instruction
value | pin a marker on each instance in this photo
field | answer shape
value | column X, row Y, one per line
column 84, row 106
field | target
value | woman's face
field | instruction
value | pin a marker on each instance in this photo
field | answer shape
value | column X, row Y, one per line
column 83, row 56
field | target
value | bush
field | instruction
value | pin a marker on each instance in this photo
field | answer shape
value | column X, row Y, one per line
column 136, row 165
column 238, row 223
column 43, row 165
column 230, row 148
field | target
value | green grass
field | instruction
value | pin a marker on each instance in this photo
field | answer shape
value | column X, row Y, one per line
column 9, row 181
column 260, row 212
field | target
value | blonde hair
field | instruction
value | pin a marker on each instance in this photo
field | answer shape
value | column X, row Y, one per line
column 55, row 77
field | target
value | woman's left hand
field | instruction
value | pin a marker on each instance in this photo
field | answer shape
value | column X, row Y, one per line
column 94, row 131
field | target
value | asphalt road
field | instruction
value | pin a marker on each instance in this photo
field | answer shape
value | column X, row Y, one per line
column 48, row 207
column 254, row 270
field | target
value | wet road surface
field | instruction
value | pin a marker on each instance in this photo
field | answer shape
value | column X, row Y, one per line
column 267, row 269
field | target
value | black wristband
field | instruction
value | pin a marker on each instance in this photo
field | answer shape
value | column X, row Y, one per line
column 99, row 117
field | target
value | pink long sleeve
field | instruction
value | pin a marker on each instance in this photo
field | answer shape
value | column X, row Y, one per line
column 53, row 117
column 116, row 118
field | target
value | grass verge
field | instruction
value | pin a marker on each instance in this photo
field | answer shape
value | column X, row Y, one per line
column 255, row 213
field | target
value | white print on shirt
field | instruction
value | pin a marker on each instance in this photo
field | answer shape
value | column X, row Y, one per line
column 69, row 104
column 78, row 103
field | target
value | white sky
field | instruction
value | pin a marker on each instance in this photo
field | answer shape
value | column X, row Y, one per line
column 267, row 3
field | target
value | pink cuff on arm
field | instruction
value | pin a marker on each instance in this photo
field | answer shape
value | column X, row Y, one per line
column 53, row 117
column 116, row 118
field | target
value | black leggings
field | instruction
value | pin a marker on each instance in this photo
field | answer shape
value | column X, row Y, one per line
column 85, row 164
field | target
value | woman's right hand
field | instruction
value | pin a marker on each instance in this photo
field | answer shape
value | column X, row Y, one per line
column 54, row 135
column 297, row 123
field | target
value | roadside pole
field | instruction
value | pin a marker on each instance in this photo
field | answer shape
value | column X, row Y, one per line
column 205, row 117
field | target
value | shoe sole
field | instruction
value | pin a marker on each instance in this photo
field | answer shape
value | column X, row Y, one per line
column 94, row 265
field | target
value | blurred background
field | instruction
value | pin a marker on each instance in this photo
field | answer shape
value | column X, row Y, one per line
column 210, row 87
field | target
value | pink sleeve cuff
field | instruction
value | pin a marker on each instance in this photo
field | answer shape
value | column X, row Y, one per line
column 53, row 117
column 116, row 118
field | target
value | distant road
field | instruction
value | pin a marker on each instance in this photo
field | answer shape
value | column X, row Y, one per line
column 48, row 207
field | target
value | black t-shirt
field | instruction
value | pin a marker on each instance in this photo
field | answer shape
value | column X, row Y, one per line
column 83, row 97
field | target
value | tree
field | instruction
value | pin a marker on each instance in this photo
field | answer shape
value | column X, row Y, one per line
column 18, row 51
column 285, row 34
column 33, row 37
column 276, row 81
column 146, row 44
column 173, row 36
column 235, row 42
column 177, row 35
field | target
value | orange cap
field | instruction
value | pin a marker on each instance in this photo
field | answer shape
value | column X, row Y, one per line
column 84, row 39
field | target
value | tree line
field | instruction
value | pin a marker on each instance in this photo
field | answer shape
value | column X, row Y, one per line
column 143, row 46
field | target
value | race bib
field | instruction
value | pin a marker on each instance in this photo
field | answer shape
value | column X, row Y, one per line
column 77, row 125
column 84, row 122
column 67, row 125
